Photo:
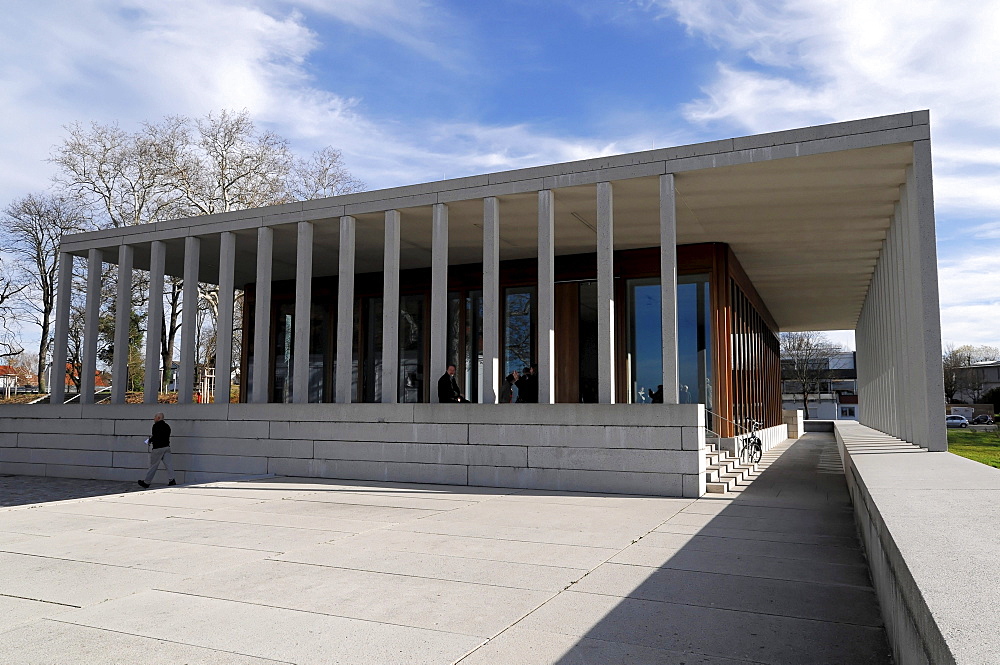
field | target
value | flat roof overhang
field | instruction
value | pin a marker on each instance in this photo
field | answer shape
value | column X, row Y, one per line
column 805, row 211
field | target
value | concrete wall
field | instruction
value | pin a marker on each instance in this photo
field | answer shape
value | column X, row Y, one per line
column 793, row 419
column 930, row 523
column 643, row 449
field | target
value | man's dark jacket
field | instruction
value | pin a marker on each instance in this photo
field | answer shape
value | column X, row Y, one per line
column 448, row 389
column 160, row 438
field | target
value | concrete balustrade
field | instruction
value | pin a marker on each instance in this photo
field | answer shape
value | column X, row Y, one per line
column 928, row 521
column 635, row 449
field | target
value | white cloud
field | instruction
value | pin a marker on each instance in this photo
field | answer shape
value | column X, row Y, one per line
column 969, row 291
column 789, row 63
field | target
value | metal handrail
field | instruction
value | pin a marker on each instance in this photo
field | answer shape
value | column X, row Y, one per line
column 735, row 424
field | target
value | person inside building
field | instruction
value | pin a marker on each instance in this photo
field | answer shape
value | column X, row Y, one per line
column 448, row 390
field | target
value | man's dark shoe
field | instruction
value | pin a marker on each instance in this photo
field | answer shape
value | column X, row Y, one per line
column 143, row 484
column 172, row 482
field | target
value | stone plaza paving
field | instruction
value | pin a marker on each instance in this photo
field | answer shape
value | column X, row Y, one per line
column 292, row 570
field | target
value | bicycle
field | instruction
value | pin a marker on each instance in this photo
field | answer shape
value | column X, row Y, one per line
column 751, row 447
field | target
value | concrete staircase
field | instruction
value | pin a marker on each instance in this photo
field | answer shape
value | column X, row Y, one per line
column 724, row 472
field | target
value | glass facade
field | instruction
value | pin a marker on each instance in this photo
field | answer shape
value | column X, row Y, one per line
column 727, row 349
column 694, row 340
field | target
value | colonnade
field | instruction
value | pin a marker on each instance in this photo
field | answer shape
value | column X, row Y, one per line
column 260, row 369
column 898, row 335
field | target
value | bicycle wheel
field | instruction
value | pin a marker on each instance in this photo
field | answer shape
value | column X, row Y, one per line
column 744, row 455
column 754, row 450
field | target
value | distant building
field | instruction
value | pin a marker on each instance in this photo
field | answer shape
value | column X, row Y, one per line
column 836, row 396
column 974, row 381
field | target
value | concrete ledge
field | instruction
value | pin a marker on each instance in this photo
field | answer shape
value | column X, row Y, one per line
column 930, row 522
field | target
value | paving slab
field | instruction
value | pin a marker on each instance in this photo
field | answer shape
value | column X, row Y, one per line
column 532, row 533
column 289, row 518
column 591, row 519
column 701, row 543
column 305, row 638
column 423, row 501
column 723, row 633
column 537, row 647
column 273, row 539
column 741, row 563
column 758, row 535
column 734, row 591
column 117, row 509
column 15, row 611
column 58, row 643
column 41, row 522
column 65, row 582
column 487, row 549
column 178, row 497
column 141, row 553
column 336, row 510
column 355, row 556
column 406, row 600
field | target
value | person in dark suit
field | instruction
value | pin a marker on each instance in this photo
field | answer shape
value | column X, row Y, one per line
column 527, row 386
column 448, row 390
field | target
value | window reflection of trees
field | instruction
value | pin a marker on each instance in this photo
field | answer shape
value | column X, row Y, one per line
column 518, row 330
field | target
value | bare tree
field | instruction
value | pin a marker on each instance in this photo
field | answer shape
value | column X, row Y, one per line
column 323, row 174
column 180, row 167
column 121, row 174
column 805, row 361
column 33, row 227
column 10, row 305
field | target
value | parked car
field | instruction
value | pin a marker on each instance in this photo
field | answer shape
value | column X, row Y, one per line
column 956, row 421
column 981, row 419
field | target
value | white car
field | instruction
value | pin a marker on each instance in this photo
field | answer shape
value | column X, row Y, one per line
column 956, row 421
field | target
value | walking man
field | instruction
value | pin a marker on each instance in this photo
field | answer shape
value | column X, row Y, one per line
column 159, row 441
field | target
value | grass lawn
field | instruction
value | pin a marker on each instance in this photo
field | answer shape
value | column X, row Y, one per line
column 979, row 446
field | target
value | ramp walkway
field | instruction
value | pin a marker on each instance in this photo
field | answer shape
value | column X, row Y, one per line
column 286, row 570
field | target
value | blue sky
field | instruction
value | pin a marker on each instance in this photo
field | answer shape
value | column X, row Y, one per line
column 416, row 90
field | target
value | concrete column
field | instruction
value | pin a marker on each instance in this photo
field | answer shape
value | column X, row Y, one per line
column 668, row 288
column 262, row 317
column 929, row 428
column 390, row 309
column 439, row 296
column 93, row 310
column 910, row 308
column 189, row 321
column 123, row 311
column 893, row 327
column 57, row 373
column 345, row 310
column 224, row 332
column 491, row 301
column 154, row 322
column 884, row 387
column 605, row 295
column 303, row 313
column 903, row 374
column 546, row 318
